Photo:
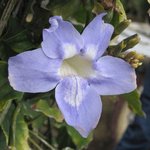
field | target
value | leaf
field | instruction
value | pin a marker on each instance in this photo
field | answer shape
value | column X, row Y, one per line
column 119, row 14
column 65, row 8
column 20, row 42
column 17, row 38
column 7, row 93
column 124, row 45
column 148, row 1
column 98, row 8
column 134, row 102
column 3, row 145
column 20, row 131
column 43, row 106
column 122, row 14
column 6, row 124
column 121, row 27
column 79, row 141
column 4, row 107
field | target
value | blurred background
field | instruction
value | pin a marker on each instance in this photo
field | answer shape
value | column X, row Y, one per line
column 21, row 25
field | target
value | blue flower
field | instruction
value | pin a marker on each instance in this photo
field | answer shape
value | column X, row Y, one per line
column 74, row 63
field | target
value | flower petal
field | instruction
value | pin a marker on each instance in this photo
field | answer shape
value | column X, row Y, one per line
column 80, row 105
column 114, row 76
column 61, row 40
column 33, row 71
column 96, row 37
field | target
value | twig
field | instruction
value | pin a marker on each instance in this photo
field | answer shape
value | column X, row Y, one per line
column 35, row 144
column 42, row 140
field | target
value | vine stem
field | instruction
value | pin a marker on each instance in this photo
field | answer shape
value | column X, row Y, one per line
column 35, row 144
column 6, row 14
column 42, row 140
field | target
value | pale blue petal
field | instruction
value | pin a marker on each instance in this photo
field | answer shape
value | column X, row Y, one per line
column 61, row 40
column 33, row 71
column 80, row 104
column 96, row 37
column 114, row 76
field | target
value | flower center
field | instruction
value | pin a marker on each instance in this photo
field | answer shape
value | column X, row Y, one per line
column 76, row 66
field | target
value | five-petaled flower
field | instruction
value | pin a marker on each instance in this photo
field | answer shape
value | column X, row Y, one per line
column 76, row 65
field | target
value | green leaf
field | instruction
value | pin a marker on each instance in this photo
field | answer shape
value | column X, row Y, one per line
column 43, row 106
column 17, row 38
column 4, row 107
column 7, row 93
column 20, row 42
column 121, row 27
column 98, row 8
column 20, row 132
column 7, row 120
column 79, row 141
column 119, row 14
column 124, row 45
column 122, row 14
column 65, row 8
column 134, row 102
column 3, row 145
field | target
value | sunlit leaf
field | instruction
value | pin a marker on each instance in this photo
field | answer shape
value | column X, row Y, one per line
column 51, row 112
column 134, row 102
column 119, row 14
column 20, row 132
column 79, row 141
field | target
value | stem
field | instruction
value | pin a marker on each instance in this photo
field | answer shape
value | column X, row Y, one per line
column 42, row 140
column 35, row 144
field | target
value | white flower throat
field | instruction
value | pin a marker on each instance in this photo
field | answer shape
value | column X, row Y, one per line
column 76, row 66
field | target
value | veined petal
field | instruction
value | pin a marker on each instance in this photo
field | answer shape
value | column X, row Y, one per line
column 96, row 37
column 114, row 76
column 61, row 40
column 33, row 71
column 80, row 104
